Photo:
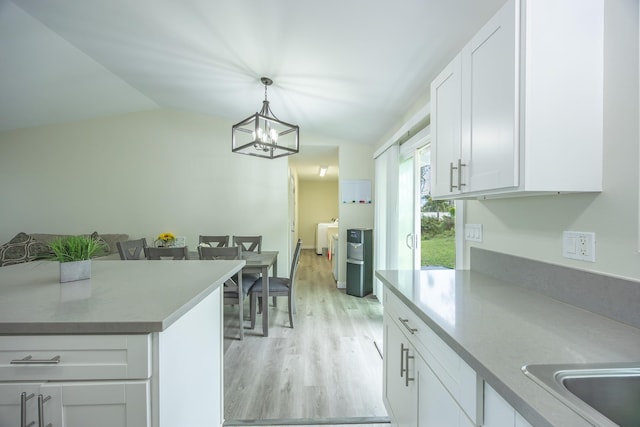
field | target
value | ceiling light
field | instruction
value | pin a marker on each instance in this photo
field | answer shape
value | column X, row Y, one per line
column 263, row 134
column 323, row 170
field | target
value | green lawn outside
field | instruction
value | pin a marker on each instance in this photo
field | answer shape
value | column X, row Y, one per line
column 439, row 251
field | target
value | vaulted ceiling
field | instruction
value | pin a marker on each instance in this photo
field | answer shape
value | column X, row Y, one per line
column 345, row 69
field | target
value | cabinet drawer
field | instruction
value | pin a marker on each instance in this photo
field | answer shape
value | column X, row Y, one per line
column 75, row 357
column 455, row 374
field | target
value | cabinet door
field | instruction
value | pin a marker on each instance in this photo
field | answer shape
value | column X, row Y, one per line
column 490, row 104
column 436, row 407
column 99, row 404
column 11, row 405
column 400, row 393
column 446, row 111
column 497, row 412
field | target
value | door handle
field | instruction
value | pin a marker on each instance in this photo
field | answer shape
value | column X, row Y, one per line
column 406, row 378
column 451, row 186
column 41, row 402
column 23, row 409
column 460, row 165
column 405, row 323
column 402, row 349
column 409, row 241
column 29, row 360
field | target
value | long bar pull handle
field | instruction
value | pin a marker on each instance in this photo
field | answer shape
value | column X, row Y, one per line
column 406, row 378
column 23, row 409
column 41, row 401
column 405, row 323
column 401, row 360
column 460, row 165
column 29, row 360
column 451, row 186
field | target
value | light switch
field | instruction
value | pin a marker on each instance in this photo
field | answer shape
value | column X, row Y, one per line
column 473, row 232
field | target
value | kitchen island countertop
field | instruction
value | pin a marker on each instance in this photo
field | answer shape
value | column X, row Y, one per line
column 122, row 297
column 497, row 327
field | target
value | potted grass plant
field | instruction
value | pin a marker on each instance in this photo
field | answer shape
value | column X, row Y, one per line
column 74, row 254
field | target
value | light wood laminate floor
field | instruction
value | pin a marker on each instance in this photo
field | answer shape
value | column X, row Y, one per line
column 327, row 366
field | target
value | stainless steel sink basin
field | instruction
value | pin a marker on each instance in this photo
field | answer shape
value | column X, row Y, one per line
column 606, row 394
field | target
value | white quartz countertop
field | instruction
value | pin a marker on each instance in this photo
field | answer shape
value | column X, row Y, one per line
column 121, row 296
column 497, row 327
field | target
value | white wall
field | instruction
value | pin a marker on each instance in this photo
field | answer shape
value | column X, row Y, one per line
column 355, row 162
column 318, row 202
column 141, row 174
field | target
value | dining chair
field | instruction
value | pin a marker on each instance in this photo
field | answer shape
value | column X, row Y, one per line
column 215, row 241
column 248, row 243
column 181, row 253
column 236, row 287
column 278, row 286
column 131, row 249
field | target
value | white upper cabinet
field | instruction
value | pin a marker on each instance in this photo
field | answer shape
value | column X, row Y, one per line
column 521, row 105
column 446, row 116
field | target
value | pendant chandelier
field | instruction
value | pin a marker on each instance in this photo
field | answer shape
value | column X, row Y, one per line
column 263, row 134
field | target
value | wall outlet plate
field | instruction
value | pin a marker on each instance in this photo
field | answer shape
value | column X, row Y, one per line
column 473, row 232
column 580, row 245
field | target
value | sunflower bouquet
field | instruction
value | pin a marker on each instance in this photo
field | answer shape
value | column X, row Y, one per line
column 165, row 239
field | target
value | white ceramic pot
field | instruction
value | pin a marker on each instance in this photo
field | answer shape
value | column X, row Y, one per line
column 75, row 270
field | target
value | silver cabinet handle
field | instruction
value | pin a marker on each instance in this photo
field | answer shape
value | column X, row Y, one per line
column 401, row 360
column 29, row 360
column 405, row 323
column 23, row 409
column 41, row 401
column 460, row 165
column 451, row 186
column 406, row 362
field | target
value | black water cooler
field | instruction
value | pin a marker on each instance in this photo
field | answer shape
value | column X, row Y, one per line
column 359, row 261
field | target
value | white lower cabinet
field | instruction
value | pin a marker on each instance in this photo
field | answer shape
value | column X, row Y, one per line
column 498, row 413
column 171, row 378
column 99, row 404
column 400, row 390
column 421, row 388
column 427, row 384
column 436, row 407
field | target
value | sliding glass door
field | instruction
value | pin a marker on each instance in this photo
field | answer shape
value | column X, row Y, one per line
column 426, row 227
column 408, row 231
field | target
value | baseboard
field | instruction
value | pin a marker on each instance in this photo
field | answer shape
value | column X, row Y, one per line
column 341, row 285
column 309, row 421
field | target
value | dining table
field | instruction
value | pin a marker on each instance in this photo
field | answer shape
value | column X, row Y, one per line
column 261, row 263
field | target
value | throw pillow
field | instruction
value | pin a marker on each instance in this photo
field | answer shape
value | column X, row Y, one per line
column 96, row 236
column 22, row 248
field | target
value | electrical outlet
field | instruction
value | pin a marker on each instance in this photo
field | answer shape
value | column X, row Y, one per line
column 580, row 245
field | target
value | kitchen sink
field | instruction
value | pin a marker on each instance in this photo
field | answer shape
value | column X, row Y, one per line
column 605, row 394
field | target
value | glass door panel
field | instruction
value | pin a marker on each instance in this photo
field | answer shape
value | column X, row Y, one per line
column 437, row 245
column 408, row 256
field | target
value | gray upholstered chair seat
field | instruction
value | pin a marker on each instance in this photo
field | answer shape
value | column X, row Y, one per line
column 276, row 284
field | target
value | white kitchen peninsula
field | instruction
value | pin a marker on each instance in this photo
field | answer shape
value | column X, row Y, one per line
column 139, row 344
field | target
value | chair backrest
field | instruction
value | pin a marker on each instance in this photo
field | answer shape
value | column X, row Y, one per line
column 131, row 249
column 295, row 261
column 215, row 241
column 231, row 252
column 248, row 243
column 181, row 253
